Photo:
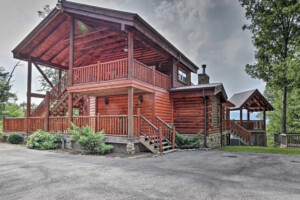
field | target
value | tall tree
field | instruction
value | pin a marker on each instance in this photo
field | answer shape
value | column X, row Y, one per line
column 275, row 29
column 5, row 90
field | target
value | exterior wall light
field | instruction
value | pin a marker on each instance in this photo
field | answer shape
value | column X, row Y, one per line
column 106, row 101
column 141, row 99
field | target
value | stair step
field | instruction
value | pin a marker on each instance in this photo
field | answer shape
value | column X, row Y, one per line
column 169, row 151
column 165, row 147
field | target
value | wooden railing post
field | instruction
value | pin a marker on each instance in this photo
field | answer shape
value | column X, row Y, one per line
column 173, row 137
column 138, row 121
column 70, row 109
column 98, row 71
column 160, row 140
column 153, row 75
column 47, row 107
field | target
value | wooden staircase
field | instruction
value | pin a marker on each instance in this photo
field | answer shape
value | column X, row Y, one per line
column 159, row 138
column 239, row 132
column 58, row 100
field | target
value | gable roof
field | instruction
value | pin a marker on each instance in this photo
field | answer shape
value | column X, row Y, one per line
column 251, row 99
column 122, row 18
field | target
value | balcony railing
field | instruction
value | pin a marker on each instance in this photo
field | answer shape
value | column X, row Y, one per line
column 118, row 69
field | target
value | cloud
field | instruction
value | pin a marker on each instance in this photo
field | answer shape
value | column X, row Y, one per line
column 206, row 31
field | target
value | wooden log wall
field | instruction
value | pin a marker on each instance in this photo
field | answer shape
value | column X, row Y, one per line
column 118, row 105
column 188, row 115
column 163, row 106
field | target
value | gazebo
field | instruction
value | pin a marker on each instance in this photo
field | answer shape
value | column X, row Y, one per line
column 252, row 101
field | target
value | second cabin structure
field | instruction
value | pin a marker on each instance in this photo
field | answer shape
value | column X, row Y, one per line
column 122, row 76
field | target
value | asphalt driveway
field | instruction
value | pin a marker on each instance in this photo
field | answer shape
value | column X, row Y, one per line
column 32, row 174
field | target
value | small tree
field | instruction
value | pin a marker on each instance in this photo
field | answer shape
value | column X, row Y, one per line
column 5, row 90
column 91, row 142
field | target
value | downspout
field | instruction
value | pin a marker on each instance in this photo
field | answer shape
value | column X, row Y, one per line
column 205, row 120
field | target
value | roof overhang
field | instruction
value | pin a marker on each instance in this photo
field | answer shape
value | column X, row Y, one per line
column 200, row 91
column 124, row 19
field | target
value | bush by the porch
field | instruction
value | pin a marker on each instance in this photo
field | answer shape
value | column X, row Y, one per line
column 15, row 138
column 185, row 142
column 43, row 140
column 91, row 142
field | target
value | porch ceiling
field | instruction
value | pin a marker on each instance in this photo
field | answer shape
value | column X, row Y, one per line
column 94, row 41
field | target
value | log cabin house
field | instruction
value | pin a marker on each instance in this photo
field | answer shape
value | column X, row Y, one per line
column 124, row 77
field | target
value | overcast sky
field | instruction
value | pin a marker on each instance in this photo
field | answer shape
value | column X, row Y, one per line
column 207, row 31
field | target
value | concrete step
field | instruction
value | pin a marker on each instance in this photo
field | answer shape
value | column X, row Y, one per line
column 169, row 151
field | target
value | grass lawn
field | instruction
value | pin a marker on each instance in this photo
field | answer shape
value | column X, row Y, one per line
column 273, row 150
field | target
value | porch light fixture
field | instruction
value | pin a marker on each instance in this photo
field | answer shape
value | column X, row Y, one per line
column 141, row 99
column 106, row 101
column 126, row 48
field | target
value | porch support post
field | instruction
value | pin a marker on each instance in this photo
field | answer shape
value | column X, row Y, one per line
column 70, row 109
column 59, row 77
column 248, row 115
column 130, row 111
column 47, row 104
column 130, row 55
column 264, row 118
column 29, row 74
column 28, row 107
column 71, row 56
column 241, row 116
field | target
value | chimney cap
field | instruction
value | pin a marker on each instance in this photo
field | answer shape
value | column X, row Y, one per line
column 204, row 66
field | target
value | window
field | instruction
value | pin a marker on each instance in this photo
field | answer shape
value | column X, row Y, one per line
column 182, row 76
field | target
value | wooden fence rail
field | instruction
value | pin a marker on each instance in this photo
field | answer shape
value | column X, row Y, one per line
column 118, row 69
column 21, row 124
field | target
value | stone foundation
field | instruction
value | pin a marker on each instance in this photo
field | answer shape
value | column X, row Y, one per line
column 213, row 140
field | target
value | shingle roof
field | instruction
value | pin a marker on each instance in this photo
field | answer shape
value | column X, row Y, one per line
column 251, row 99
column 218, row 87
column 239, row 99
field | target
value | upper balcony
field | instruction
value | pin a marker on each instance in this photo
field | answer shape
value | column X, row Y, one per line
column 117, row 70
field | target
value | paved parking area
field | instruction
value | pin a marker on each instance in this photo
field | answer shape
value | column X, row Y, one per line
column 32, row 174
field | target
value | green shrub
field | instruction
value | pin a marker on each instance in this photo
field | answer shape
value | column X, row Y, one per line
column 15, row 138
column 91, row 142
column 43, row 140
column 187, row 142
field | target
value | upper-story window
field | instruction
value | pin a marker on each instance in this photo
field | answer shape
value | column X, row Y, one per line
column 182, row 76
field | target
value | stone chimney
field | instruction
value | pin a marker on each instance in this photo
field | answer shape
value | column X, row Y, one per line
column 203, row 78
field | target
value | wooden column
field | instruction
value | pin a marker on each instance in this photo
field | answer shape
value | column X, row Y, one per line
column 130, row 111
column 59, row 77
column 241, row 116
column 264, row 118
column 71, row 56
column 28, row 106
column 29, row 75
column 248, row 115
column 70, row 109
column 47, row 104
column 130, row 55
